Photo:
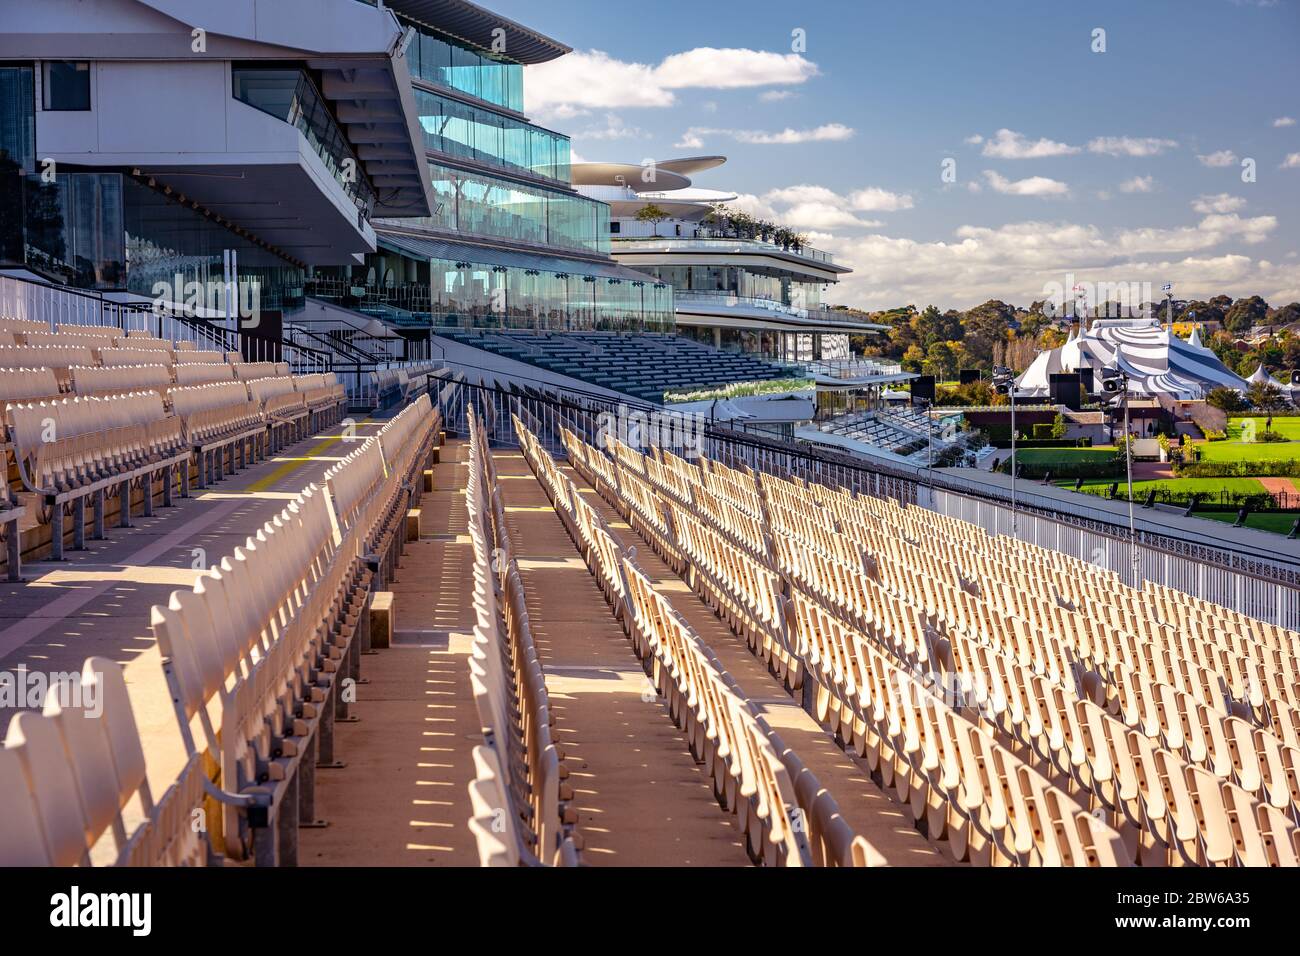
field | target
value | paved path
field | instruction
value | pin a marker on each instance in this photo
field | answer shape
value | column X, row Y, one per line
column 641, row 798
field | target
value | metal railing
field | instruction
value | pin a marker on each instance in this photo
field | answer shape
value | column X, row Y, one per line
column 1258, row 581
column 723, row 244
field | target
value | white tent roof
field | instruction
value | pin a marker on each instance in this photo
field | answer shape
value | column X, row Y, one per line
column 1261, row 376
column 1155, row 360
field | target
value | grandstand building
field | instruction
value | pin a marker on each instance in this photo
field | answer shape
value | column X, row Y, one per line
column 753, row 290
column 472, row 610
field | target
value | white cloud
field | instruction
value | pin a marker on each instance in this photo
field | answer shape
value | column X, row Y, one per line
column 828, row 132
column 1223, row 157
column 1130, row 145
column 974, row 139
column 1219, row 203
column 566, row 83
column 729, row 69
column 1006, row 144
column 875, row 199
column 1292, row 161
column 1138, row 184
column 689, row 140
column 808, row 206
column 1283, row 121
column 614, row 128
column 1033, row 186
column 1013, row 262
column 1211, row 231
column 775, row 96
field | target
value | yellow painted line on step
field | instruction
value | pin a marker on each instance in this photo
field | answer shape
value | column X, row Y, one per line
column 289, row 467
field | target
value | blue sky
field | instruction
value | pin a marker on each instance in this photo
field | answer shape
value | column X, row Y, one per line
column 1122, row 165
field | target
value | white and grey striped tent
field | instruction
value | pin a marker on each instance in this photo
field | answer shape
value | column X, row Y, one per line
column 1157, row 361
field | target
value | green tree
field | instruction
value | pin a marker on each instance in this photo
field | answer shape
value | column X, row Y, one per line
column 1267, row 397
column 1226, row 399
column 913, row 358
column 652, row 214
column 1243, row 314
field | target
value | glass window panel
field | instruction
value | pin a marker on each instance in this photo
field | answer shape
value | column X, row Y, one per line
column 465, row 68
column 67, row 85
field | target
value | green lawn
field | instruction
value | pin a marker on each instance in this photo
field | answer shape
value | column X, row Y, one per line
column 1279, row 522
column 1055, row 457
column 1288, row 426
column 1213, row 486
column 1249, row 451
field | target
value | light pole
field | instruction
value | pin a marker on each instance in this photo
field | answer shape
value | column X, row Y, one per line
column 1004, row 382
column 1115, row 381
column 1168, row 290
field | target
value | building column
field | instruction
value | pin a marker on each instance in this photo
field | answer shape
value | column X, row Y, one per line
column 717, row 337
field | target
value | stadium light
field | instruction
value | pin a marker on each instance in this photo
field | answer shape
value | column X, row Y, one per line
column 1004, row 383
column 1114, row 382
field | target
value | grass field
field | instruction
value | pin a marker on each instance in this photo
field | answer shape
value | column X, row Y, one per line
column 1288, row 426
column 1056, row 457
column 1279, row 522
column 1213, row 486
column 1249, row 451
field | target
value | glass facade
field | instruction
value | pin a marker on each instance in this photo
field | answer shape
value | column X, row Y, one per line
column 486, row 206
column 165, row 239
column 289, row 95
column 462, row 294
column 437, row 58
column 469, row 132
column 739, row 281
column 17, row 157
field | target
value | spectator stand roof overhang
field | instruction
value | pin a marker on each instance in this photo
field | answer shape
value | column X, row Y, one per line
column 479, row 27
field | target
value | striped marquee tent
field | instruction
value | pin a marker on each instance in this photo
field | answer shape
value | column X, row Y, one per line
column 1157, row 361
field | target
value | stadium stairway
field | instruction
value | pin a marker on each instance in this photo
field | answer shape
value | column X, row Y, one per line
column 641, row 799
column 866, row 809
column 403, row 799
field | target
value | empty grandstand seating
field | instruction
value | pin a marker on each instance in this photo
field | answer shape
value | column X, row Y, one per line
column 108, row 379
column 643, row 365
column 65, row 451
column 73, row 448
column 295, row 592
column 517, row 798
column 932, row 649
column 788, row 817
column 70, row 779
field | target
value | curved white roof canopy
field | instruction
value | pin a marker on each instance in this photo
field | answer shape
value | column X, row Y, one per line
column 701, row 195
column 631, row 175
column 691, row 164
column 681, row 211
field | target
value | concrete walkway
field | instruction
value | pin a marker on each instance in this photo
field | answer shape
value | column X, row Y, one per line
column 641, row 798
column 403, row 799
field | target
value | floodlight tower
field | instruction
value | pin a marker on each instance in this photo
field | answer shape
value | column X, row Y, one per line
column 1114, row 382
column 1004, row 382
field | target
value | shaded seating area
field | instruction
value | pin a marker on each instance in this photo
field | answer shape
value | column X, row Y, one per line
column 644, row 365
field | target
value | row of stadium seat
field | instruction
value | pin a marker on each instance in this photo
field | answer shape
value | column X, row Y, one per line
column 871, row 688
column 70, row 774
column 255, row 652
column 788, row 817
column 517, row 797
column 1058, row 678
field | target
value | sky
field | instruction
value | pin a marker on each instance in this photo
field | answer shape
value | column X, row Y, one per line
column 953, row 151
